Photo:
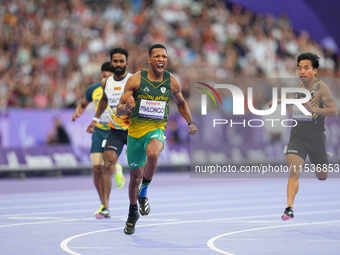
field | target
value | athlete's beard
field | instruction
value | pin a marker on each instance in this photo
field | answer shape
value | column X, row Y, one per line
column 119, row 71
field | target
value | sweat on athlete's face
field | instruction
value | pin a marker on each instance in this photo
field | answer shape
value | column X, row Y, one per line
column 159, row 56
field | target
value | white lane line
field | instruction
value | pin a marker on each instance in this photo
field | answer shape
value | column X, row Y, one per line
column 123, row 217
column 162, row 205
column 112, row 248
column 42, row 198
column 95, row 247
column 47, row 213
column 166, row 204
column 203, row 197
column 78, row 219
column 180, row 212
column 262, row 221
column 186, row 201
column 35, row 218
column 212, row 240
column 64, row 244
column 240, row 208
column 43, row 222
column 46, row 205
column 279, row 240
column 159, row 220
column 48, row 198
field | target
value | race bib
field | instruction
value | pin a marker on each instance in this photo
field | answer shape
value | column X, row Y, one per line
column 113, row 102
column 152, row 109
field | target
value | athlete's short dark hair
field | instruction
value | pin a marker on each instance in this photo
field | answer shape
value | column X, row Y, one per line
column 309, row 56
column 107, row 66
column 156, row 46
column 120, row 51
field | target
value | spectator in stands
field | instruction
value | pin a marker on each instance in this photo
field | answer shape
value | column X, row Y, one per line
column 58, row 134
column 222, row 41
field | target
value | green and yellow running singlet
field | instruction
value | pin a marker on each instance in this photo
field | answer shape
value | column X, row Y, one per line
column 93, row 94
column 152, row 105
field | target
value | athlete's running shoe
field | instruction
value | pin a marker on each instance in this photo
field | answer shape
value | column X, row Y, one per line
column 99, row 210
column 288, row 214
column 144, row 206
column 104, row 213
column 131, row 222
column 119, row 177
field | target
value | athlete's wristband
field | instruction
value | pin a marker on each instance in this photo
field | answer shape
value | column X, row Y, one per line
column 190, row 122
column 96, row 119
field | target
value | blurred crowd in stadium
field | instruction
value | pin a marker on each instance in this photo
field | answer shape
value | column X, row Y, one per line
column 51, row 50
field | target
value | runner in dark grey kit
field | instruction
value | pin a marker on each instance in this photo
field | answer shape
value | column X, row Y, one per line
column 308, row 137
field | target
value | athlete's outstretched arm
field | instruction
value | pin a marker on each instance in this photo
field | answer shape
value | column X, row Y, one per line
column 329, row 104
column 84, row 102
column 182, row 105
column 127, row 102
column 101, row 105
column 101, row 108
column 80, row 108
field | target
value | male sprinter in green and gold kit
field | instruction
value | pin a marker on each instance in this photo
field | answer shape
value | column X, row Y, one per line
column 308, row 137
column 146, row 99
column 113, row 145
column 101, row 131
